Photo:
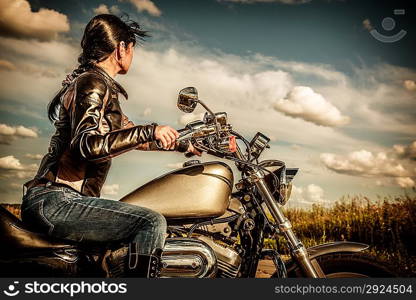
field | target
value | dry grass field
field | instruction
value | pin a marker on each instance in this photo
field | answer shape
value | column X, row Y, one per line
column 387, row 224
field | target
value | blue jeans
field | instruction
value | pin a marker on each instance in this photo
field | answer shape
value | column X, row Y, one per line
column 64, row 213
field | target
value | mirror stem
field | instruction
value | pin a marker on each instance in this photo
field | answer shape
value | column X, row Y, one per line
column 215, row 117
column 206, row 107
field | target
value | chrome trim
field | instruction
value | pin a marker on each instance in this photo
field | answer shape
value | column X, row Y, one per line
column 298, row 250
column 229, row 261
column 188, row 257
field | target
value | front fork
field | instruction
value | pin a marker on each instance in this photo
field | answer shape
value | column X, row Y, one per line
column 297, row 249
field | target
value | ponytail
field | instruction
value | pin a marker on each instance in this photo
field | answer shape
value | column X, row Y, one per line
column 101, row 36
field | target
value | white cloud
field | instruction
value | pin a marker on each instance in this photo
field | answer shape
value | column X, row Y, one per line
column 10, row 133
column 147, row 112
column 10, row 163
column 146, row 5
column 110, row 189
column 302, row 102
column 7, row 65
column 396, row 163
column 405, row 182
column 410, row 85
column 104, row 9
column 364, row 163
column 41, row 66
column 406, row 151
column 52, row 53
column 34, row 156
column 311, row 194
column 101, row 9
column 12, row 168
column 18, row 20
column 15, row 185
column 190, row 117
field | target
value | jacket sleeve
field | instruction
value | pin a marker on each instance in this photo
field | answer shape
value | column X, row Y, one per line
column 88, row 137
column 151, row 146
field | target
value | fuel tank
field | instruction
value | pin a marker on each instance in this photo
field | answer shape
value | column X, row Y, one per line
column 197, row 191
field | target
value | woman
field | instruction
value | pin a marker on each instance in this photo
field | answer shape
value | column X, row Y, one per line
column 63, row 198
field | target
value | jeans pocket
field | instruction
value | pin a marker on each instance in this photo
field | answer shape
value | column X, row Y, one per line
column 34, row 216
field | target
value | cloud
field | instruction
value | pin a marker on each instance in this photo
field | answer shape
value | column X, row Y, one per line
column 145, row 5
column 110, row 189
column 12, row 168
column 17, row 20
column 7, row 65
column 15, row 185
column 406, row 151
column 10, row 163
column 51, row 53
column 34, row 156
column 311, row 194
column 10, row 133
column 367, row 24
column 396, row 163
column 101, row 9
column 147, row 112
column 302, row 102
column 190, row 117
column 405, row 182
column 40, row 65
column 104, row 9
column 409, row 85
column 364, row 163
column 320, row 71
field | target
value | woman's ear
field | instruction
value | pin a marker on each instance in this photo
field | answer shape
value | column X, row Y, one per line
column 121, row 49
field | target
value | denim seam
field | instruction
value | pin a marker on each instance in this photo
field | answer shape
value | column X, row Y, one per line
column 51, row 226
column 115, row 211
column 30, row 196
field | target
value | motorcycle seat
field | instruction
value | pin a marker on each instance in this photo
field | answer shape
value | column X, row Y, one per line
column 15, row 237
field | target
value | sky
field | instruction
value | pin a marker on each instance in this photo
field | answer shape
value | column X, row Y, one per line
column 336, row 101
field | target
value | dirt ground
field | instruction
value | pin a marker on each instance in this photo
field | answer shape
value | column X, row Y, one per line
column 265, row 269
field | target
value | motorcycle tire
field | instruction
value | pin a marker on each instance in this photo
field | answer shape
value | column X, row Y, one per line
column 349, row 265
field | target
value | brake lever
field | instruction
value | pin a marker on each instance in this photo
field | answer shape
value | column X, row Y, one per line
column 190, row 154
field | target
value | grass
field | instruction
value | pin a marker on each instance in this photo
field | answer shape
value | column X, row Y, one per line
column 387, row 224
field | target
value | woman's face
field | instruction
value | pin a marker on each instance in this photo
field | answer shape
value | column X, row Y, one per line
column 127, row 58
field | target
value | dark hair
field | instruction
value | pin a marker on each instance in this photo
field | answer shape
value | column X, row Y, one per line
column 101, row 37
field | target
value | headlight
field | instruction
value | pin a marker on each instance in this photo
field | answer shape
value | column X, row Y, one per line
column 281, row 188
column 285, row 191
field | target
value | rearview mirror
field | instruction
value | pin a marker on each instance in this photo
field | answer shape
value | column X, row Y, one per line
column 188, row 99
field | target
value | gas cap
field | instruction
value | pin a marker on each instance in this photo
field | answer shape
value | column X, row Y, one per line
column 191, row 163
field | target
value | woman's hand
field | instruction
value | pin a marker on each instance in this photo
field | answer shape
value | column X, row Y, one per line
column 167, row 136
column 193, row 150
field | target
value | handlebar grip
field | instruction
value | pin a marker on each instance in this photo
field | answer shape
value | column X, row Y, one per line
column 182, row 146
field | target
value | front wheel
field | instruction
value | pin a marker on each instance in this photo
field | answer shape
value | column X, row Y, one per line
column 349, row 265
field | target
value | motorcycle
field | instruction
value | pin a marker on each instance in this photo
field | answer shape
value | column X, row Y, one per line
column 213, row 231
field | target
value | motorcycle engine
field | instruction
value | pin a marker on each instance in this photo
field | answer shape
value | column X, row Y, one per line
column 228, row 260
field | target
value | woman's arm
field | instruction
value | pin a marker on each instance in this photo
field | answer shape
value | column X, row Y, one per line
column 152, row 146
column 87, row 112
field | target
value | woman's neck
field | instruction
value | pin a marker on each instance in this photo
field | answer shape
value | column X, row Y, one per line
column 109, row 66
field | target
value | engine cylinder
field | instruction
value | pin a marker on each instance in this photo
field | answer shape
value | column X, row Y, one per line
column 187, row 257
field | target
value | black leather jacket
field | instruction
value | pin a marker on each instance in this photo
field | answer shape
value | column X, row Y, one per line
column 90, row 130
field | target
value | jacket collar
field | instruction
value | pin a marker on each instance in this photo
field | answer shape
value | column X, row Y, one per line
column 117, row 86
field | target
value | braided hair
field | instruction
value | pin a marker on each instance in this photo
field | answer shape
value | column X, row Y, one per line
column 101, row 37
